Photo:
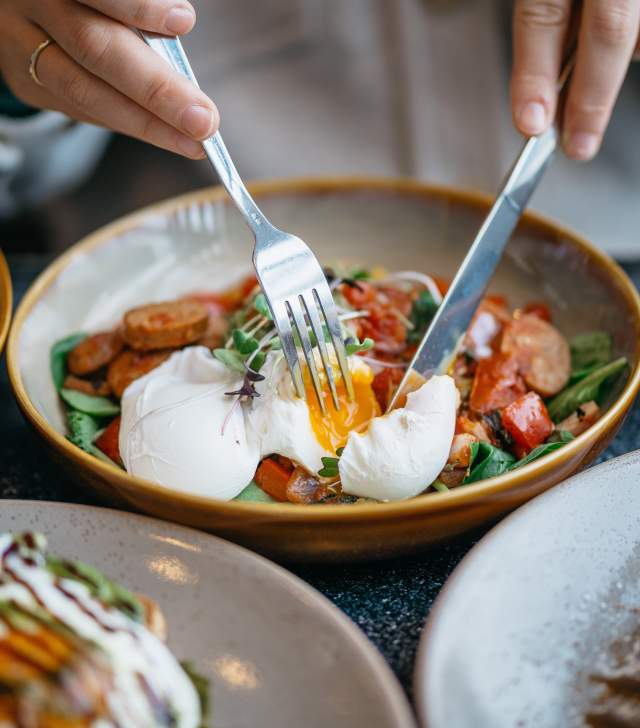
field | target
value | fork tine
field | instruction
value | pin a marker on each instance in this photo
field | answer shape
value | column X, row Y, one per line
column 289, row 348
column 296, row 313
column 316, row 326
column 325, row 302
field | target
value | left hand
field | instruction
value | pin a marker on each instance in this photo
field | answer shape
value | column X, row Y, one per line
column 607, row 41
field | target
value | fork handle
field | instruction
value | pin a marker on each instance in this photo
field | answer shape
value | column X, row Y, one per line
column 172, row 51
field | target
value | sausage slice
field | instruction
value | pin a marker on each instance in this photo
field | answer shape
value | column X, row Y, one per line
column 167, row 325
column 94, row 353
column 132, row 365
column 542, row 353
column 97, row 388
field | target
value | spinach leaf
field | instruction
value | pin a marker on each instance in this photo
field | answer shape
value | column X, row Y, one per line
column 487, row 461
column 422, row 312
column 540, row 451
column 560, row 436
column 254, row 494
column 568, row 401
column 58, row 357
column 590, row 350
column 88, row 404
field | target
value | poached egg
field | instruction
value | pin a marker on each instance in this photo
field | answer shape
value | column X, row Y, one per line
column 181, row 430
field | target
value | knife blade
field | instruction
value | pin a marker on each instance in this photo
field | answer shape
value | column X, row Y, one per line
column 442, row 339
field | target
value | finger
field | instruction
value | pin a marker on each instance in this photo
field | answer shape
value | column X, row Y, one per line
column 608, row 35
column 171, row 17
column 539, row 31
column 69, row 88
column 112, row 52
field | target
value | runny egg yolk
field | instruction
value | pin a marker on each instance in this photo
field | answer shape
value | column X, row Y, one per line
column 332, row 430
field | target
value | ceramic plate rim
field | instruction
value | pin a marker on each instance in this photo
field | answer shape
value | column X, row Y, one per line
column 377, row 666
column 376, row 512
column 421, row 665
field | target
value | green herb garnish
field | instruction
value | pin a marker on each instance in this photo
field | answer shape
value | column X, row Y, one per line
column 440, row 486
column 202, row 687
column 261, row 306
column 231, row 359
column 330, row 465
column 244, row 343
column 356, row 347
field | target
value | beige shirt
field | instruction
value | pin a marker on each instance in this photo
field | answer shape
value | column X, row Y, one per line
column 397, row 87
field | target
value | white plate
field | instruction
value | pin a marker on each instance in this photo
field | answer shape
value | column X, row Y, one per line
column 534, row 607
column 278, row 654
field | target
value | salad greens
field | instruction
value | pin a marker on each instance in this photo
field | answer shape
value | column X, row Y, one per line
column 89, row 404
column 586, row 389
column 58, row 357
column 588, row 352
column 488, row 461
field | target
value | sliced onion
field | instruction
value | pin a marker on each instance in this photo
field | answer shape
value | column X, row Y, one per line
column 416, row 277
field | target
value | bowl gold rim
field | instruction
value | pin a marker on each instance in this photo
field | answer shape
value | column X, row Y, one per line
column 452, row 500
column 6, row 302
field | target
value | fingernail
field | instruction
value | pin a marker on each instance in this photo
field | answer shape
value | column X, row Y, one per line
column 532, row 118
column 179, row 21
column 198, row 121
column 582, row 145
column 189, row 148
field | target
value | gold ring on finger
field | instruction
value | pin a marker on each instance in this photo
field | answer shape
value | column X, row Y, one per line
column 35, row 57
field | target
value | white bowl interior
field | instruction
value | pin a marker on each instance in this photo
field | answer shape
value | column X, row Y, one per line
column 205, row 245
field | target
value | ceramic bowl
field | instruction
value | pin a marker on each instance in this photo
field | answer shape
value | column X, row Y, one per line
column 397, row 224
column 6, row 300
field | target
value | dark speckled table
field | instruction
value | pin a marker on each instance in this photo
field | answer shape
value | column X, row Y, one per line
column 389, row 601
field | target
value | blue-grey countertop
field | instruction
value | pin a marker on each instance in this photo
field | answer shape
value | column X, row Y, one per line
column 388, row 600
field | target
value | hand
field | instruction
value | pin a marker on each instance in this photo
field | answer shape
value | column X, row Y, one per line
column 607, row 40
column 101, row 72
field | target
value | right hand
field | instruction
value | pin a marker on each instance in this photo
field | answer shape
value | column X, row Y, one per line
column 99, row 71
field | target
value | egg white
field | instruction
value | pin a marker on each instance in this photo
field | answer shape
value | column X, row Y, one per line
column 181, row 430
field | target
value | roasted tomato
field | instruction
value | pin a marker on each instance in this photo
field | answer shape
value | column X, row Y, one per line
column 273, row 477
column 527, row 422
column 388, row 308
column 497, row 383
column 229, row 300
column 539, row 309
column 385, row 384
column 109, row 441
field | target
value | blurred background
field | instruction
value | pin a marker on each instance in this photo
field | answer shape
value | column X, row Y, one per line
column 413, row 88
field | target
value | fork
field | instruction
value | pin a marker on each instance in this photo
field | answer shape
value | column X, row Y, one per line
column 292, row 280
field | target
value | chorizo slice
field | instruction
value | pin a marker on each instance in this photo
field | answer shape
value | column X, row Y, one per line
column 132, row 365
column 97, row 388
column 95, row 352
column 542, row 352
column 169, row 325
column 581, row 420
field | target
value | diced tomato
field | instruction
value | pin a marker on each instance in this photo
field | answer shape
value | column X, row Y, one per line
column 497, row 300
column 273, row 477
column 496, row 384
column 385, row 384
column 442, row 284
column 465, row 425
column 539, row 309
column 228, row 300
column 109, row 441
column 528, row 423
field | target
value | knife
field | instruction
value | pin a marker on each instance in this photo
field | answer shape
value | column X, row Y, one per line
column 440, row 344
